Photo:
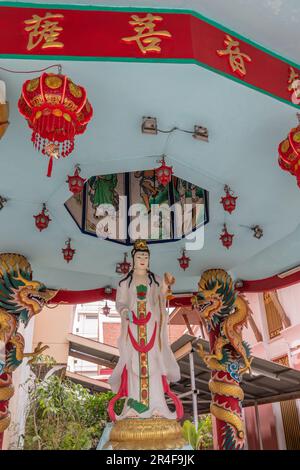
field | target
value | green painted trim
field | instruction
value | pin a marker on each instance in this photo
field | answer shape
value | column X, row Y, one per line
column 152, row 10
column 145, row 60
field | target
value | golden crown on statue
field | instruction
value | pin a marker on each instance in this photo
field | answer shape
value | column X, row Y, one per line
column 139, row 245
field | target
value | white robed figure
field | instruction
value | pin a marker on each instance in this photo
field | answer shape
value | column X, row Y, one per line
column 146, row 365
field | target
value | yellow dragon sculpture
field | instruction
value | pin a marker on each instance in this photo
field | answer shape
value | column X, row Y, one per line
column 20, row 299
column 225, row 315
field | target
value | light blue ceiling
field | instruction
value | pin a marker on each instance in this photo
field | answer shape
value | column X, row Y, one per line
column 245, row 128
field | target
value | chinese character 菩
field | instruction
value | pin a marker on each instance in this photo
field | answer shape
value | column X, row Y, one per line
column 146, row 37
column 236, row 57
column 44, row 30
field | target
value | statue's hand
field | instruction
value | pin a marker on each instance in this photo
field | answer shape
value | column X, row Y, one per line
column 127, row 314
column 169, row 279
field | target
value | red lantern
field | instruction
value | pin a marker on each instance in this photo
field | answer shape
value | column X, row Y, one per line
column 68, row 252
column 75, row 182
column 42, row 219
column 106, row 309
column 226, row 238
column 184, row 261
column 124, row 266
column 289, row 153
column 287, row 157
column 56, row 110
column 294, row 138
column 164, row 172
column 228, row 201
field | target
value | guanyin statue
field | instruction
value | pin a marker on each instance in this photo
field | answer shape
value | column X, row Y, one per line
column 146, row 365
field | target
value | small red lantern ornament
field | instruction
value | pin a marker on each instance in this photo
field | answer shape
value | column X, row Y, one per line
column 228, row 201
column 106, row 309
column 184, row 261
column 226, row 238
column 68, row 252
column 124, row 266
column 42, row 219
column 56, row 110
column 164, row 173
column 75, row 182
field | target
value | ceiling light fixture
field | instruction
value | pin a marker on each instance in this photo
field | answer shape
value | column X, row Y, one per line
column 3, row 202
column 284, row 274
column 149, row 126
column 3, row 109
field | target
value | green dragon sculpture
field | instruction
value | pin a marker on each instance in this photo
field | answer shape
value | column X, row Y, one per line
column 20, row 299
column 225, row 315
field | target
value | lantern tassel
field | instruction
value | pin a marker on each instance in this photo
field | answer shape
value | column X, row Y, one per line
column 50, row 166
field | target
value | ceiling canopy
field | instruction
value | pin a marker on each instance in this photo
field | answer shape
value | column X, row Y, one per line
column 246, row 120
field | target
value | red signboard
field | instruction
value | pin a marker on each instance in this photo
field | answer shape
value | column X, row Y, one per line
column 99, row 33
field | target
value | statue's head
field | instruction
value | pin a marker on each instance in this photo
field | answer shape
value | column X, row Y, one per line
column 140, row 255
column 216, row 295
column 20, row 295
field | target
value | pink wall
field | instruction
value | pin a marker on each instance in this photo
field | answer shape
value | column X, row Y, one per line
column 288, row 342
column 51, row 327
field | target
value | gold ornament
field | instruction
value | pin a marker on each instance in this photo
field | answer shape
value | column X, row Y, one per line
column 75, row 90
column 53, row 82
column 142, row 434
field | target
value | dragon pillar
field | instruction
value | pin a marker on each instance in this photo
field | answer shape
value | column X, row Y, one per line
column 225, row 314
column 20, row 299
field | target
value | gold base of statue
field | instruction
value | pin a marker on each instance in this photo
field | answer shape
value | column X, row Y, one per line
column 146, row 434
column 4, row 423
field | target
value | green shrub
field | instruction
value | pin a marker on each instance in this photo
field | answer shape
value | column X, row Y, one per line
column 65, row 416
column 201, row 439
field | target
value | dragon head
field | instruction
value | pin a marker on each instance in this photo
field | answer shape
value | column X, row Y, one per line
column 19, row 294
column 216, row 295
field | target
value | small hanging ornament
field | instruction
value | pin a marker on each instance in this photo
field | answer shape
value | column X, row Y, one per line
column 75, row 182
column 68, row 252
column 42, row 219
column 184, row 261
column 106, row 309
column 124, row 266
column 164, row 172
column 4, row 109
column 56, row 110
column 226, row 238
column 228, row 201
column 257, row 231
column 3, row 202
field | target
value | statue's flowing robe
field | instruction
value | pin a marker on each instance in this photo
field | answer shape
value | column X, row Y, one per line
column 161, row 360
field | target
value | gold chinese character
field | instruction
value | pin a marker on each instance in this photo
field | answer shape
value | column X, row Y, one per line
column 292, row 78
column 146, row 38
column 42, row 29
column 236, row 57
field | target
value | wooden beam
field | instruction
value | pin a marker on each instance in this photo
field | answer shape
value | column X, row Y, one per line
column 93, row 359
column 93, row 345
column 183, row 351
column 187, row 324
column 87, row 381
column 284, row 318
column 273, row 399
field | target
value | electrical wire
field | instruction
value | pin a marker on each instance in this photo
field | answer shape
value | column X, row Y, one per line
column 59, row 67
